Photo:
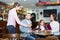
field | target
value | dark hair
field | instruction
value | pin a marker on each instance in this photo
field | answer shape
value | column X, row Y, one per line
column 40, row 22
column 16, row 4
column 54, row 16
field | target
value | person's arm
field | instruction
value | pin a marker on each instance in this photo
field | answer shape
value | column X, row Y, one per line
column 23, row 23
column 36, row 28
column 17, row 20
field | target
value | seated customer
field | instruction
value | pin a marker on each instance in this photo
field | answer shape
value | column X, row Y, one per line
column 54, row 24
column 26, row 30
column 40, row 26
column 43, row 27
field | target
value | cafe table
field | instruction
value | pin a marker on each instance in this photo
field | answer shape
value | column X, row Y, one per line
column 42, row 34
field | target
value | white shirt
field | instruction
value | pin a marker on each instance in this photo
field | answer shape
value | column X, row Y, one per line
column 55, row 27
column 41, row 27
column 13, row 18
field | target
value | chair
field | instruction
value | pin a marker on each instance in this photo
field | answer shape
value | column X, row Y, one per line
column 40, row 38
column 12, row 36
column 1, row 31
column 4, row 39
column 51, row 38
column 22, row 38
column 58, row 36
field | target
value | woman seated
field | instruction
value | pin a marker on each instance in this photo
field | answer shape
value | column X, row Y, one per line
column 40, row 26
column 43, row 27
column 54, row 24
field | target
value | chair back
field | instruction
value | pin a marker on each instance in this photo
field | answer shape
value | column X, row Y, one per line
column 13, row 36
column 51, row 38
column 40, row 38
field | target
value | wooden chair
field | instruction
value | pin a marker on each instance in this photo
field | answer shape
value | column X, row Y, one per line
column 58, row 36
column 12, row 36
column 1, row 35
column 22, row 38
column 51, row 38
column 40, row 38
column 2, row 31
column 4, row 39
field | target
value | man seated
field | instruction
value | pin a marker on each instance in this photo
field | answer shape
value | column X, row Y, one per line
column 26, row 30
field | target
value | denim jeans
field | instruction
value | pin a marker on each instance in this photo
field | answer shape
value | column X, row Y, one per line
column 11, row 29
column 29, row 36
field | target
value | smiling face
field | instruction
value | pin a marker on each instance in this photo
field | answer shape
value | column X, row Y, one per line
column 42, row 22
column 17, row 7
column 28, row 16
column 53, row 17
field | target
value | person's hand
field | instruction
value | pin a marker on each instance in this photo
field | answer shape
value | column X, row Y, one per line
column 30, row 31
column 29, row 25
column 48, row 31
column 42, row 30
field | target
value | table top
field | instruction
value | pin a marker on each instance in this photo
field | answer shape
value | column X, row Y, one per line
column 43, row 33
